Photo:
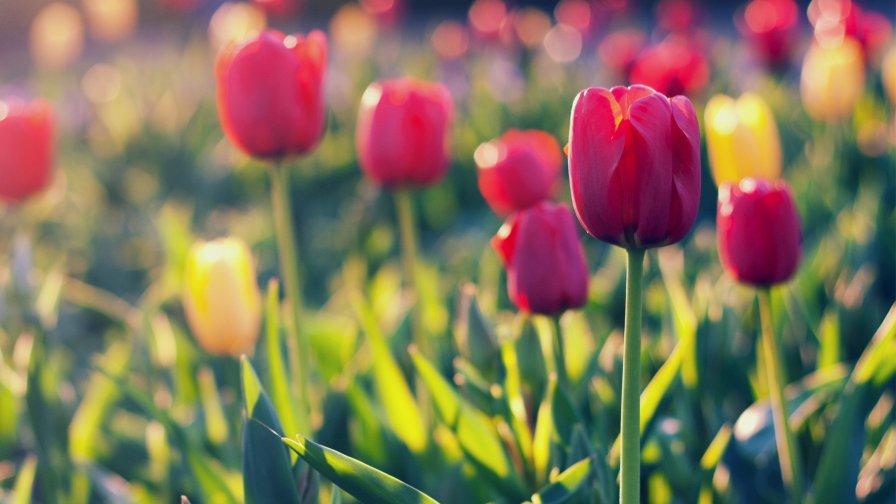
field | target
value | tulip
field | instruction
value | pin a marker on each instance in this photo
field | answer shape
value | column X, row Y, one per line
column 770, row 27
column 270, row 93
column 742, row 138
column 26, row 148
column 518, row 170
column 546, row 271
column 620, row 49
column 759, row 231
column 888, row 74
column 832, row 80
column 634, row 165
column 834, row 19
column 402, row 132
column 221, row 299
column 278, row 8
column 759, row 244
column 634, row 173
column 674, row 66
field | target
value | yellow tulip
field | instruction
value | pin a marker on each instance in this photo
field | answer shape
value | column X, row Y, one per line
column 742, row 139
column 221, row 298
column 888, row 73
column 833, row 79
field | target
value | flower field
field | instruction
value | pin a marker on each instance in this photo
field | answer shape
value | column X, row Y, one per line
column 386, row 251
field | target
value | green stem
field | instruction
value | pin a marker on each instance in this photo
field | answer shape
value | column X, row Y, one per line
column 560, row 356
column 297, row 343
column 630, row 456
column 787, row 450
column 405, row 212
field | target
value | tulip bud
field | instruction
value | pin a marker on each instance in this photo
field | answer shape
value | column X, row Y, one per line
column 546, row 271
column 26, row 148
column 758, row 231
column 888, row 74
column 634, row 165
column 221, row 298
column 770, row 27
column 742, row 139
column 402, row 134
column 518, row 170
column 832, row 79
column 270, row 93
column 674, row 66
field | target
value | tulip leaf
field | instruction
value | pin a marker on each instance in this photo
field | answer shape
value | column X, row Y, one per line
column 282, row 395
column 838, row 467
column 83, row 431
column 477, row 437
column 392, row 388
column 475, row 337
column 566, row 485
column 365, row 483
column 654, row 392
column 685, row 321
column 267, row 473
column 22, row 488
column 516, row 404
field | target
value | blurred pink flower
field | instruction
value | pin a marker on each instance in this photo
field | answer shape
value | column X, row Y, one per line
column 674, row 66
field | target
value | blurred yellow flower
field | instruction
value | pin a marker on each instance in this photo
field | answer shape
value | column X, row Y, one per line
column 110, row 20
column 832, row 79
column 888, row 73
column 221, row 298
column 57, row 36
column 235, row 22
column 742, row 138
column 353, row 31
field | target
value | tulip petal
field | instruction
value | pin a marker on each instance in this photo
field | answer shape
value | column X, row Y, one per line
column 685, row 197
column 595, row 148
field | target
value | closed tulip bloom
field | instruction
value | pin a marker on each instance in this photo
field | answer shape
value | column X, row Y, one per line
column 270, row 93
column 634, row 165
column 770, row 27
column 832, row 80
column 402, row 134
column 221, row 298
column 674, row 66
column 742, row 138
column 26, row 148
column 546, row 271
column 518, row 170
column 888, row 74
column 758, row 231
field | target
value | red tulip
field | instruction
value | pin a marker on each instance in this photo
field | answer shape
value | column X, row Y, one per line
column 26, row 148
column 279, row 8
column 270, row 93
column 546, row 271
column 674, row 66
column 518, row 170
column 402, row 134
column 634, row 165
column 759, row 231
column 619, row 50
column 770, row 27
column 834, row 19
column 677, row 15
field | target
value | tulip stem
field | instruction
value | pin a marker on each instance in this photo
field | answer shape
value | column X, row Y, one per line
column 297, row 343
column 630, row 456
column 560, row 356
column 406, row 228
column 788, row 455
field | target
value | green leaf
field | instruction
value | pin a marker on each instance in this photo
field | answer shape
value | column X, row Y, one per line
column 473, row 335
column 282, row 395
column 654, row 392
column 567, row 484
column 21, row 490
column 476, row 435
column 838, row 467
column 84, row 430
column 545, row 433
column 391, row 388
column 267, row 473
column 516, row 404
column 365, row 483
column 671, row 263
